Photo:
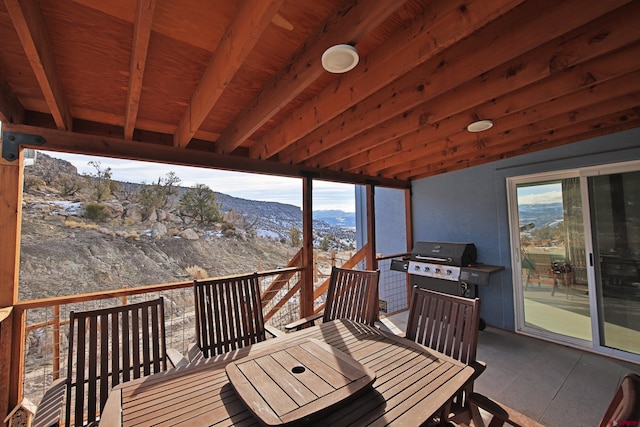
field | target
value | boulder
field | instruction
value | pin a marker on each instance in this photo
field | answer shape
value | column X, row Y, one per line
column 161, row 215
column 158, row 230
column 189, row 234
column 114, row 209
column 133, row 213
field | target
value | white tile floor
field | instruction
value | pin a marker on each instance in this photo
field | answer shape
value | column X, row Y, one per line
column 554, row 384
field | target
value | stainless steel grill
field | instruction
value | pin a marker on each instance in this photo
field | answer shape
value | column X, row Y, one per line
column 446, row 267
column 437, row 266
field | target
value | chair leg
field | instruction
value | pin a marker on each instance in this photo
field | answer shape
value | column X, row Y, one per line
column 444, row 414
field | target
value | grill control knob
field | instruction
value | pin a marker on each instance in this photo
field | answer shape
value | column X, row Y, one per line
column 427, row 269
column 449, row 272
column 437, row 270
column 416, row 267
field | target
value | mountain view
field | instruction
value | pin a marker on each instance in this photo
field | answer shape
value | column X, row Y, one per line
column 541, row 214
column 74, row 241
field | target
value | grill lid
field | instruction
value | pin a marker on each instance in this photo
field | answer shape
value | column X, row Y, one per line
column 445, row 253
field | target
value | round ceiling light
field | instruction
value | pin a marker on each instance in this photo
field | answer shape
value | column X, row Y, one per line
column 480, row 125
column 340, row 58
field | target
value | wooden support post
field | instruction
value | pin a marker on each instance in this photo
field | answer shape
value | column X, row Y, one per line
column 409, row 230
column 10, row 214
column 371, row 261
column 306, row 292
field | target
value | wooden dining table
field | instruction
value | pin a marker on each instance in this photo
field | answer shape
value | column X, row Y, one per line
column 412, row 384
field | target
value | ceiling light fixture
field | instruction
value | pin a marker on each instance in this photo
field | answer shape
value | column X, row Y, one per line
column 340, row 58
column 480, row 125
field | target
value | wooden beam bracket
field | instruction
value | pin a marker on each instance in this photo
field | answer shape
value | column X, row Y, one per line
column 11, row 143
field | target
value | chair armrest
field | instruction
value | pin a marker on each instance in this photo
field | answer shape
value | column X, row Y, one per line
column 194, row 354
column 176, row 358
column 298, row 324
column 498, row 411
column 479, row 367
column 275, row 332
column 50, row 408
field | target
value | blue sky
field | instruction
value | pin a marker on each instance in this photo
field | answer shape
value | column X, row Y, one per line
column 327, row 195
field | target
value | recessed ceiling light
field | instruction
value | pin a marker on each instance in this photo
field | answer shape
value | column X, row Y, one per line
column 480, row 125
column 340, row 58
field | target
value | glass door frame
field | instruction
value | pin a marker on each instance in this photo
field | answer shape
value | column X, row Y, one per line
column 584, row 174
column 516, row 261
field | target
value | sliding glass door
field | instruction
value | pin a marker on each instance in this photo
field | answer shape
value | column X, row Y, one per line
column 576, row 257
column 615, row 224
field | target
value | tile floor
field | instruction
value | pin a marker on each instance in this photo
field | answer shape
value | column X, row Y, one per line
column 551, row 383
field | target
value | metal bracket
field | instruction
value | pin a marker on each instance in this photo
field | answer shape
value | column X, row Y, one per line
column 11, row 142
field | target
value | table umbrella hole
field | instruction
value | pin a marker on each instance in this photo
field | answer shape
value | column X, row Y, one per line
column 298, row 369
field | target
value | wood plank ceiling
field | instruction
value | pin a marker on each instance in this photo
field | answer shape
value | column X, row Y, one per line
column 240, row 85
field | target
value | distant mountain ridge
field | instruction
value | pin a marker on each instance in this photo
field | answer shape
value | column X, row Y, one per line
column 541, row 214
column 336, row 218
column 269, row 219
column 273, row 219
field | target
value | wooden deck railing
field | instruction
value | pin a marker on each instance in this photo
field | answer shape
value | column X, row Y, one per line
column 281, row 285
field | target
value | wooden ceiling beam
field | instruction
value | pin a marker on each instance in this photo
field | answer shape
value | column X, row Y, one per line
column 428, row 141
column 253, row 17
column 161, row 150
column 596, row 128
column 462, row 146
column 29, row 24
column 443, row 24
column 513, row 93
column 518, row 127
column 141, row 36
column 11, row 110
column 349, row 23
column 430, row 149
column 499, row 42
column 90, row 114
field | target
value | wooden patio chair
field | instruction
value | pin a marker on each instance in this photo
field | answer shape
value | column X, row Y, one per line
column 228, row 315
column 448, row 324
column 625, row 405
column 624, row 409
column 106, row 347
column 352, row 294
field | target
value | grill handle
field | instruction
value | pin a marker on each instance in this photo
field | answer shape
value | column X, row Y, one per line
column 434, row 259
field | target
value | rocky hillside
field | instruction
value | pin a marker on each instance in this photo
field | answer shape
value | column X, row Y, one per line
column 63, row 252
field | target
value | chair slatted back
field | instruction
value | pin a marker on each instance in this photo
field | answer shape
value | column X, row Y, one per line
column 107, row 347
column 228, row 314
column 446, row 323
column 353, row 295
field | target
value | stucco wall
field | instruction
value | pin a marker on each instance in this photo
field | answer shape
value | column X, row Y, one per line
column 391, row 229
column 470, row 205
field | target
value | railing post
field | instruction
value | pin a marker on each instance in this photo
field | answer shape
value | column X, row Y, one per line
column 124, row 300
column 56, row 342
column 6, row 330
column 17, row 356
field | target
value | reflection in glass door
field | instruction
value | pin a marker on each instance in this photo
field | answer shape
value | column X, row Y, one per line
column 615, row 225
column 554, row 292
